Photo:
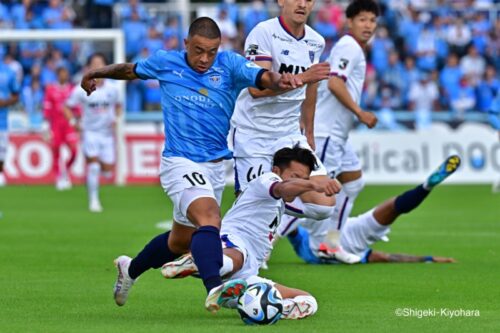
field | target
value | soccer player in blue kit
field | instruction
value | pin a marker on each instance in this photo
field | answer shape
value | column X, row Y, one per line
column 9, row 95
column 199, row 87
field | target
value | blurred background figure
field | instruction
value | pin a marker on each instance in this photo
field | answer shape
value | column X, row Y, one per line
column 423, row 98
column 61, row 131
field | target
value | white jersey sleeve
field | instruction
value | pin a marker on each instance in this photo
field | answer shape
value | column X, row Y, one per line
column 258, row 45
column 332, row 118
column 264, row 186
column 344, row 59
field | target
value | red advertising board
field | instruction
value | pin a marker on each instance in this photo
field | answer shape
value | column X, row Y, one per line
column 29, row 160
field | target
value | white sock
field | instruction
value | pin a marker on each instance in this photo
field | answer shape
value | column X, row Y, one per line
column 345, row 202
column 227, row 265
column 93, row 171
column 298, row 208
column 288, row 224
column 317, row 229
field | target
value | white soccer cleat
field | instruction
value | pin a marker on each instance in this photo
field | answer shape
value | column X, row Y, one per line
column 337, row 253
column 299, row 307
column 182, row 267
column 95, row 206
column 224, row 294
column 63, row 184
column 123, row 282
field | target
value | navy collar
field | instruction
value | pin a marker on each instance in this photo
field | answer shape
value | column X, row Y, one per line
column 287, row 30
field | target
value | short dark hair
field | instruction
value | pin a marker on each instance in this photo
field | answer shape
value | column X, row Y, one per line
column 358, row 6
column 284, row 156
column 97, row 55
column 204, row 27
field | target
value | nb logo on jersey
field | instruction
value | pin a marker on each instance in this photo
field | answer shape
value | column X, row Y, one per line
column 292, row 69
column 285, row 52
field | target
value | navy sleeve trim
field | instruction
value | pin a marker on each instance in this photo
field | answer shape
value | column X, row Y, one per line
column 343, row 77
column 135, row 72
column 259, row 78
column 271, row 193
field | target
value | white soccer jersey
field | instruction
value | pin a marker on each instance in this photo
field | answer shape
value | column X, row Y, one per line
column 347, row 61
column 255, row 215
column 98, row 109
column 277, row 115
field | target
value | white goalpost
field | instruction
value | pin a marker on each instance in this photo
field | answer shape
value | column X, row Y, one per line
column 116, row 37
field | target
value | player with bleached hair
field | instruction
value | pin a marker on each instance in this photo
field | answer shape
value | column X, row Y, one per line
column 97, row 125
column 199, row 87
column 265, row 121
column 248, row 228
column 9, row 95
column 362, row 231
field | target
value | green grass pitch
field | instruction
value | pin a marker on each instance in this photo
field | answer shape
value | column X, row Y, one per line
column 56, row 271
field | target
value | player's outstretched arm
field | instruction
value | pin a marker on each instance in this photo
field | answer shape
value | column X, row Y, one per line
column 286, row 81
column 382, row 257
column 290, row 189
column 339, row 90
column 123, row 71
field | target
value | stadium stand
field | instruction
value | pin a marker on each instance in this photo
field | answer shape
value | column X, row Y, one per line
column 448, row 51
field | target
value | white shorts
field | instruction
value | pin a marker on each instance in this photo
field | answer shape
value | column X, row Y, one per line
column 248, row 167
column 4, row 143
column 185, row 181
column 99, row 145
column 250, row 269
column 337, row 157
column 360, row 232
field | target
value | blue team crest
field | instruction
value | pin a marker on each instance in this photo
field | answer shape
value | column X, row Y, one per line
column 311, row 56
column 215, row 80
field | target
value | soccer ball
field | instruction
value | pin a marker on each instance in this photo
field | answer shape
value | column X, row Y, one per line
column 261, row 304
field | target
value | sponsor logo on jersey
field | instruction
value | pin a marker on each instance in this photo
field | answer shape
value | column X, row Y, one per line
column 179, row 74
column 343, row 63
column 293, row 69
column 285, row 52
column 313, row 43
column 215, row 80
column 252, row 49
column 281, row 38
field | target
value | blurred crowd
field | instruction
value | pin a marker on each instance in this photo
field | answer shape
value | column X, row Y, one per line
column 427, row 55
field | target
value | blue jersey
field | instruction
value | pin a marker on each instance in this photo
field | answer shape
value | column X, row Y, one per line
column 8, row 87
column 197, row 107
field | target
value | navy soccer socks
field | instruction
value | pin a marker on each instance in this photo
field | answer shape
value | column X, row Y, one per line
column 154, row 255
column 206, row 249
column 411, row 199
